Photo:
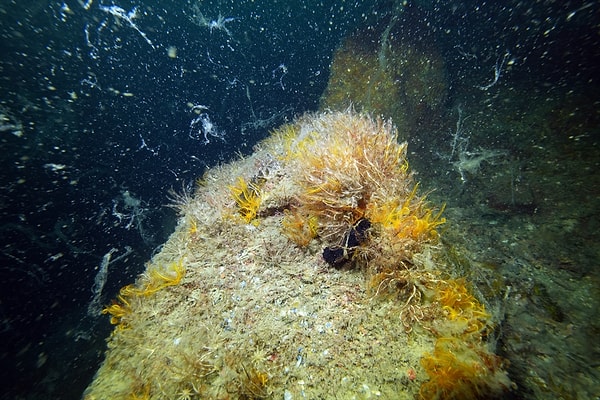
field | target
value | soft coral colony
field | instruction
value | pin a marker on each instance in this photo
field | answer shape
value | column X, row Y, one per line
column 351, row 168
column 339, row 187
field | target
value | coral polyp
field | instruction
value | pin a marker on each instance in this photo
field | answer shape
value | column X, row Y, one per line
column 461, row 307
column 407, row 218
column 155, row 279
column 247, row 197
column 301, row 229
column 458, row 371
column 117, row 311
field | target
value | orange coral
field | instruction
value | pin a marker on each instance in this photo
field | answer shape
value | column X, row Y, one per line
column 159, row 278
column 461, row 366
column 407, row 218
column 120, row 308
column 117, row 311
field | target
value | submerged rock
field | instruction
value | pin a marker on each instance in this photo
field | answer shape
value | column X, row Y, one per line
column 240, row 303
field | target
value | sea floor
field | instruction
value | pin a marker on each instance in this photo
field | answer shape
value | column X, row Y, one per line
column 530, row 219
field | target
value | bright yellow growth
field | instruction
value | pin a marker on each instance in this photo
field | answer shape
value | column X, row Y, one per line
column 157, row 278
column 407, row 218
column 247, row 196
column 153, row 280
column 117, row 311
column 301, row 229
column 144, row 395
column 193, row 229
column 253, row 384
column 461, row 306
column 119, row 308
column 461, row 366
column 426, row 225
column 457, row 371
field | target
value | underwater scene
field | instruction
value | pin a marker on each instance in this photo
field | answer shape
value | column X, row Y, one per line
column 284, row 199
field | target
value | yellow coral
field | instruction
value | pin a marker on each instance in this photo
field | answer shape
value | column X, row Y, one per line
column 426, row 225
column 247, row 197
column 117, row 311
column 155, row 279
column 407, row 218
column 391, row 213
column 347, row 161
column 254, row 383
column 160, row 278
column 461, row 366
column 120, row 307
column 301, row 229
column 458, row 371
column 461, row 306
column 144, row 395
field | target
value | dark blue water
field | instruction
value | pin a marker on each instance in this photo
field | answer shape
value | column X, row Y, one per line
column 106, row 106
